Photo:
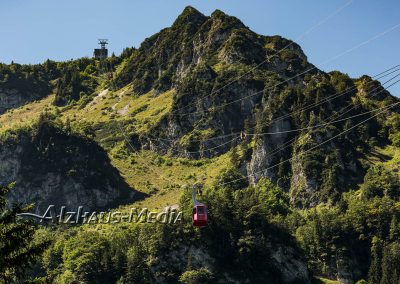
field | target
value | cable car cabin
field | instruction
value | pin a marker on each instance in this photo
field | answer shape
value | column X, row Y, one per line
column 199, row 215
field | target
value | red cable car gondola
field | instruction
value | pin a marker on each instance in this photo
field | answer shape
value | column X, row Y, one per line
column 199, row 215
column 199, row 212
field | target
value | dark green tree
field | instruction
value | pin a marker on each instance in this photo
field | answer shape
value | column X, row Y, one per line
column 390, row 263
column 394, row 231
column 17, row 251
column 197, row 276
column 235, row 158
column 379, row 181
column 137, row 270
column 374, row 273
column 87, row 257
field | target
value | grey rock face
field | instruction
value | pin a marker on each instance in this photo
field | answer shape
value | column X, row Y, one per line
column 10, row 99
column 13, row 98
column 293, row 270
column 84, row 177
column 264, row 154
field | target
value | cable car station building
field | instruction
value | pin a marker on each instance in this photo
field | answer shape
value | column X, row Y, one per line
column 101, row 53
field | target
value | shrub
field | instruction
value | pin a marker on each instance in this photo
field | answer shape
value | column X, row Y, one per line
column 197, row 276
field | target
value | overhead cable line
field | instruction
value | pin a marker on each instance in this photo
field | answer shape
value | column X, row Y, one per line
column 296, row 76
column 275, row 53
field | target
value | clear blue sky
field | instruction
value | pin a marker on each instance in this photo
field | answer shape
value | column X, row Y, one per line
column 33, row 30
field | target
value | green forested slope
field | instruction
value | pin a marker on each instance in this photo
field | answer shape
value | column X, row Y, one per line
column 285, row 207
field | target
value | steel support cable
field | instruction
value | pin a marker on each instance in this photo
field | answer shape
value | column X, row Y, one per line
column 297, row 75
column 269, row 133
column 327, row 99
column 314, row 147
column 275, row 53
column 290, row 142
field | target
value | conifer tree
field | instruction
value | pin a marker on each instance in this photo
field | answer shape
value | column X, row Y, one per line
column 137, row 270
column 235, row 158
column 394, row 232
column 17, row 251
column 386, row 266
column 374, row 273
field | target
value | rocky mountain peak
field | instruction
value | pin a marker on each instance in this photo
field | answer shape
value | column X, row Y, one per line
column 189, row 16
column 226, row 21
